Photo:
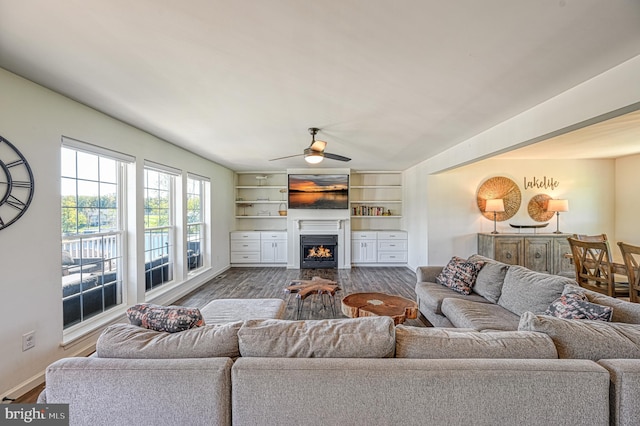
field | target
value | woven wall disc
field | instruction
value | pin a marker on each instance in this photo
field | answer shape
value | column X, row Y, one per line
column 537, row 208
column 499, row 187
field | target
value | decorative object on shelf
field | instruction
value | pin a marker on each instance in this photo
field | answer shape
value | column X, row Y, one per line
column 283, row 191
column 282, row 209
column 264, row 213
column 315, row 153
column 558, row 206
column 537, row 208
column 16, row 184
column 496, row 206
column 534, row 227
column 499, row 187
column 244, row 208
column 262, row 179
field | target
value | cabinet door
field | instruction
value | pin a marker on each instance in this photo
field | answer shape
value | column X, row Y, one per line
column 363, row 251
column 509, row 250
column 280, row 251
column 538, row 254
column 268, row 253
column 562, row 264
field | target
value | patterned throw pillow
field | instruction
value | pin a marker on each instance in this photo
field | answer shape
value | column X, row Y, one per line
column 164, row 318
column 575, row 305
column 460, row 274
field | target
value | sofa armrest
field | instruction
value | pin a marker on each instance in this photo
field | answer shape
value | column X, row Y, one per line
column 141, row 391
column 625, row 390
column 428, row 273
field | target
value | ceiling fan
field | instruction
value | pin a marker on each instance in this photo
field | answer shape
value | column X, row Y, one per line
column 315, row 153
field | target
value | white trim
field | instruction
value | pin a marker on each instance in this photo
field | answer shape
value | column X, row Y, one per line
column 162, row 168
column 197, row 177
column 96, row 150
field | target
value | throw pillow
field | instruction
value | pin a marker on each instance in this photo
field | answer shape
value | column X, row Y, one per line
column 490, row 278
column 459, row 274
column 575, row 305
column 164, row 318
column 584, row 339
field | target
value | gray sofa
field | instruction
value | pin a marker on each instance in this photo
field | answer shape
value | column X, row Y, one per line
column 344, row 371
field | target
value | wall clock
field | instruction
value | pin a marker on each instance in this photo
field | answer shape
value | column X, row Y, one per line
column 16, row 184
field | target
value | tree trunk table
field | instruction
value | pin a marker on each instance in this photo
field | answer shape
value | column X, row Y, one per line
column 379, row 304
column 316, row 285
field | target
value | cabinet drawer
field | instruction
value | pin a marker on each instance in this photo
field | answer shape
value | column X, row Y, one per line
column 245, row 235
column 393, row 245
column 245, row 257
column 267, row 236
column 392, row 257
column 363, row 236
column 245, row 246
column 392, row 235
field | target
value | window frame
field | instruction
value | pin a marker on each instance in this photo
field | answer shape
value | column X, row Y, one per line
column 203, row 184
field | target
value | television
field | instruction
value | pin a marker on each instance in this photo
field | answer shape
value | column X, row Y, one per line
column 307, row 191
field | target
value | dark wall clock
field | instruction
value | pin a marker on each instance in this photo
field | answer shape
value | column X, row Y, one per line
column 16, row 184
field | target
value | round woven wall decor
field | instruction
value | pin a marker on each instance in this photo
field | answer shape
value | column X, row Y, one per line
column 537, row 208
column 499, row 187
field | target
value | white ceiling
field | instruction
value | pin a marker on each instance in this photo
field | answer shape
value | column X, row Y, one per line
column 389, row 83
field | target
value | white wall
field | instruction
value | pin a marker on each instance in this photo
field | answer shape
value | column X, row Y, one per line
column 33, row 119
column 447, row 232
column 627, row 203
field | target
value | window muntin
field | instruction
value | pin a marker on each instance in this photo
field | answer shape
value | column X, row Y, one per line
column 92, row 233
column 158, row 228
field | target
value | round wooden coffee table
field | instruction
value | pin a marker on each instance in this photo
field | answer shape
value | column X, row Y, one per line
column 379, row 304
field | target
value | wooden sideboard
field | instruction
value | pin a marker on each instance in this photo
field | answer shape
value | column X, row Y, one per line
column 538, row 252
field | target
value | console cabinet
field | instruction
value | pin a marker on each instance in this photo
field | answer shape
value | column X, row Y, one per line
column 538, row 252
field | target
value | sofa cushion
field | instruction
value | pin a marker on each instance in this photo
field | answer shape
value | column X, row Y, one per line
column 171, row 319
column 575, row 305
column 490, row 278
column 220, row 311
column 526, row 290
column 459, row 274
column 585, row 339
column 479, row 316
column 435, row 343
column 431, row 296
column 131, row 341
column 368, row 337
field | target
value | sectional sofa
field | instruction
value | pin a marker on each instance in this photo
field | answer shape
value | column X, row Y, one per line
column 526, row 369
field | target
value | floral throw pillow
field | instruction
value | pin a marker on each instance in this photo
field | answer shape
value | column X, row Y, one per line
column 164, row 318
column 575, row 305
column 460, row 274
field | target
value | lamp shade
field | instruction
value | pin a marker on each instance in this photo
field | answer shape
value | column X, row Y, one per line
column 558, row 205
column 496, row 205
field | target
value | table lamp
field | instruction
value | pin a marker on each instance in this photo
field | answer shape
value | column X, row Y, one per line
column 558, row 206
column 495, row 206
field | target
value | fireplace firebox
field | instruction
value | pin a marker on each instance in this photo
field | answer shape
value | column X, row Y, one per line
column 318, row 251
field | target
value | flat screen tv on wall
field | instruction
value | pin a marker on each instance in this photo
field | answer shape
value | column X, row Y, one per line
column 318, row 191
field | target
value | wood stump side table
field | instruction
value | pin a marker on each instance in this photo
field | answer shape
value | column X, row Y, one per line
column 379, row 304
column 316, row 285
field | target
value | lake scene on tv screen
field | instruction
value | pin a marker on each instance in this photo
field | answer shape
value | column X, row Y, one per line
column 318, row 191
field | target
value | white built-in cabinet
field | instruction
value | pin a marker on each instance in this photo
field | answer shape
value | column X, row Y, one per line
column 258, row 247
column 375, row 198
column 261, row 198
column 378, row 247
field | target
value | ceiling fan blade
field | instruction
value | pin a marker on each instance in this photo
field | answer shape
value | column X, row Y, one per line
column 318, row 145
column 336, row 157
column 288, row 156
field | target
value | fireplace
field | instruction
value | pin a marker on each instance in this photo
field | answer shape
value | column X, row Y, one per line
column 318, row 251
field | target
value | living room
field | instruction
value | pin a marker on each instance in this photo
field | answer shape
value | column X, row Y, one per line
column 440, row 214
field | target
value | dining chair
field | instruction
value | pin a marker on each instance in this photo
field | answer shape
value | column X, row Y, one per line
column 584, row 237
column 594, row 267
column 631, row 256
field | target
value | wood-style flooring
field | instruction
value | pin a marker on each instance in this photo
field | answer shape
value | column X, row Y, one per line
column 257, row 283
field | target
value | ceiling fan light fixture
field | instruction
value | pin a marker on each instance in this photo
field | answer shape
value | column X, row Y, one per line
column 314, row 158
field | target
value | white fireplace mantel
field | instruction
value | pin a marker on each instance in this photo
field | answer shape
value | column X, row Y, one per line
column 319, row 226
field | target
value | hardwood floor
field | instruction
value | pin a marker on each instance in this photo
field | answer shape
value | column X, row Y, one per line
column 256, row 283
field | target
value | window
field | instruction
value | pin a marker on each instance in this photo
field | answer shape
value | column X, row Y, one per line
column 92, row 194
column 196, row 249
column 158, row 227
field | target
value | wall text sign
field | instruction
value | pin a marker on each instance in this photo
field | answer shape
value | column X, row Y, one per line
column 541, row 183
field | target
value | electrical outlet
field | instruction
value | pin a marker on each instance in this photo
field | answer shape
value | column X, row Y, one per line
column 28, row 340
